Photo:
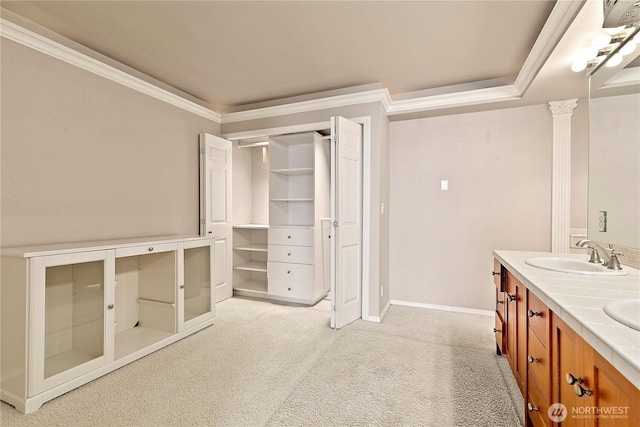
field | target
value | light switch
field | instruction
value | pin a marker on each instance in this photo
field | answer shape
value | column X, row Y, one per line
column 602, row 221
column 444, row 185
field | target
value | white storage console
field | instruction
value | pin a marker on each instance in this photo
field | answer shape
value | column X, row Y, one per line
column 74, row 312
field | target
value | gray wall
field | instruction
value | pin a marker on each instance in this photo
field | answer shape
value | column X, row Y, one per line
column 84, row 158
column 498, row 164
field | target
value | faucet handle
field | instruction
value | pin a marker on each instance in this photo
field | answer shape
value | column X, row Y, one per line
column 614, row 264
column 595, row 256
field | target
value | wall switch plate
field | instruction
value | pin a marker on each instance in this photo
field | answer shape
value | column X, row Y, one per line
column 602, row 221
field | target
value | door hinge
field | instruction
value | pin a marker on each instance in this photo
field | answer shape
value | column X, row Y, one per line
column 335, row 223
column 203, row 150
column 202, row 221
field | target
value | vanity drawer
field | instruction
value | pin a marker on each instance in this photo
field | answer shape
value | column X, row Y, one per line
column 497, row 274
column 300, row 236
column 538, row 364
column 537, row 407
column 538, row 318
column 293, row 254
column 499, row 326
column 288, row 271
column 291, row 289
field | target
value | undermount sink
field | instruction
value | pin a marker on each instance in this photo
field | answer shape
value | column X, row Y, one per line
column 575, row 266
column 625, row 311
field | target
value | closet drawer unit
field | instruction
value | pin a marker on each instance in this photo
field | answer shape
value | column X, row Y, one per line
column 538, row 364
column 293, row 254
column 291, row 236
column 291, row 289
column 538, row 315
column 287, row 271
column 537, row 407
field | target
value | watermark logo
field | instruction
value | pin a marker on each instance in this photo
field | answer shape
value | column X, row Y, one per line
column 557, row 412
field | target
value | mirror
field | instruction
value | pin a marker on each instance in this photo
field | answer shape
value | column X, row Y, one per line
column 614, row 151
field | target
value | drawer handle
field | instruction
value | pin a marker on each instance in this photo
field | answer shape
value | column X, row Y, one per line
column 499, row 302
column 289, row 254
column 573, row 380
column 532, row 407
column 577, row 388
column 495, row 331
column 512, row 297
column 288, row 289
column 288, row 237
column 288, row 271
column 150, row 249
column 532, row 313
column 181, row 286
column 493, row 273
column 532, row 359
column 110, row 306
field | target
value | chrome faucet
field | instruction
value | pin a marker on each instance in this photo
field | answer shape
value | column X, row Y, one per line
column 611, row 261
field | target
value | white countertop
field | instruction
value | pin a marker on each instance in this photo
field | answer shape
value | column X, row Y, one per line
column 578, row 300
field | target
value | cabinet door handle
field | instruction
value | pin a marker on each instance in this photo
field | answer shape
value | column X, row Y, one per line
column 511, row 297
column 150, row 249
column 532, row 407
column 493, row 273
column 288, row 237
column 495, row 331
column 572, row 380
column 289, row 254
column 181, row 286
column 532, row 359
column 288, row 271
column 580, row 391
column 110, row 306
column 532, row 313
column 499, row 302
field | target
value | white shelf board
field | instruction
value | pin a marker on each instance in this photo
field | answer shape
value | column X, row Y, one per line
column 63, row 361
column 251, row 286
column 137, row 338
column 293, row 171
column 252, row 247
column 252, row 266
column 292, row 200
column 252, row 226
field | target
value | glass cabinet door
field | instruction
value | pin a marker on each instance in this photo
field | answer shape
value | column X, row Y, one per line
column 69, row 318
column 195, row 290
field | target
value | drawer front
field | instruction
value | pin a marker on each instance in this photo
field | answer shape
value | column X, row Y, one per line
column 501, row 303
column 496, row 273
column 287, row 271
column 538, row 318
column 145, row 250
column 293, row 254
column 291, row 289
column 538, row 364
column 537, row 407
column 499, row 326
column 291, row 236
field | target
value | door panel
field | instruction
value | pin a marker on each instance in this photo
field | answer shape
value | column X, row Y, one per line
column 215, row 208
column 346, row 210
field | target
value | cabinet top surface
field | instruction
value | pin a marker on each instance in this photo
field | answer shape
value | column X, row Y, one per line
column 579, row 301
column 72, row 247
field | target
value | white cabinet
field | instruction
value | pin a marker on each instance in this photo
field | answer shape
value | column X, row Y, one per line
column 71, row 313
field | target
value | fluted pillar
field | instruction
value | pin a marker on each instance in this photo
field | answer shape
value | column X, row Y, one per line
column 561, row 175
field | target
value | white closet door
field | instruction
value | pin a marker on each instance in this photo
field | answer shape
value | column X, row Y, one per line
column 215, row 208
column 346, row 210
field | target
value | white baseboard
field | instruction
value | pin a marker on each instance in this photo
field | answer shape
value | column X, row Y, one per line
column 443, row 307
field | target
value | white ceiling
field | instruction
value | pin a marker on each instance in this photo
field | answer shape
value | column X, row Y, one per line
column 231, row 54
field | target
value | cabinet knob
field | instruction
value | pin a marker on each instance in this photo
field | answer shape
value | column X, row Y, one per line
column 532, row 407
column 288, row 237
column 532, row 359
column 288, row 289
column 288, row 271
column 580, row 391
column 532, row 313
column 210, row 232
column 511, row 297
column 495, row 331
column 289, row 254
column 493, row 273
column 181, row 286
column 499, row 302
column 573, row 380
column 150, row 249
column 110, row 306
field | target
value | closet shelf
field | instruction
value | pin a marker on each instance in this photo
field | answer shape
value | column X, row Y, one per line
column 253, row 247
column 293, row 171
column 292, row 200
column 252, row 266
column 252, row 226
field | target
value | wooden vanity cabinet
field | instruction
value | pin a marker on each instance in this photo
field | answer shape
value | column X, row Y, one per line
column 516, row 327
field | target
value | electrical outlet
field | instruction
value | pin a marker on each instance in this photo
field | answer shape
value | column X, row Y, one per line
column 602, row 221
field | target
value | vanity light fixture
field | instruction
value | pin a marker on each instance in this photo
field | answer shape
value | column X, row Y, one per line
column 602, row 45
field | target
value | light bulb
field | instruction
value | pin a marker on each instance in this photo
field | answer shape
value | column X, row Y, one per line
column 614, row 60
column 628, row 48
column 590, row 53
column 578, row 65
column 601, row 41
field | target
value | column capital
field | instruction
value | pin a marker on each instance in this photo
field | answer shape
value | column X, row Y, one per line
column 559, row 108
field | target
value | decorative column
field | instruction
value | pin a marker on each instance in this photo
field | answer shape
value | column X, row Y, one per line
column 561, row 175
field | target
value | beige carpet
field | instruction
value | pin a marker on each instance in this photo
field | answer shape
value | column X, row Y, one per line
column 270, row 364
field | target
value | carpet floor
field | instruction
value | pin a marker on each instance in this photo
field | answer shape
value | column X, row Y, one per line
column 265, row 364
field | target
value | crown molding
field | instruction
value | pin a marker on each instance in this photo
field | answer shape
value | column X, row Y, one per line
column 19, row 34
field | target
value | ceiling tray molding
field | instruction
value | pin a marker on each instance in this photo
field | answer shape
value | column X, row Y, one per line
column 33, row 40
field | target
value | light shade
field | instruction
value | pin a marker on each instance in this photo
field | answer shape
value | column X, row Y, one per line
column 614, row 60
column 578, row 65
column 600, row 41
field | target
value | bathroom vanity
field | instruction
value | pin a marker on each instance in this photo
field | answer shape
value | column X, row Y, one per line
column 572, row 362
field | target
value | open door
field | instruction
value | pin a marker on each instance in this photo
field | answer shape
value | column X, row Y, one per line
column 215, row 208
column 346, row 212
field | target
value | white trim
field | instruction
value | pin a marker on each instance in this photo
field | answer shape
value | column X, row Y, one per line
column 444, row 308
column 18, row 34
column 280, row 130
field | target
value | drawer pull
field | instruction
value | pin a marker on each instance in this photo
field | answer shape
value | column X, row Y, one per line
column 577, row 388
column 288, row 289
column 532, row 407
column 573, row 380
column 150, row 249
column 288, row 271
column 110, row 306
column 532, row 359
column 493, row 273
column 495, row 331
column 532, row 313
column 512, row 297
column 288, row 237
column 499, row 302
column 289, row 254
